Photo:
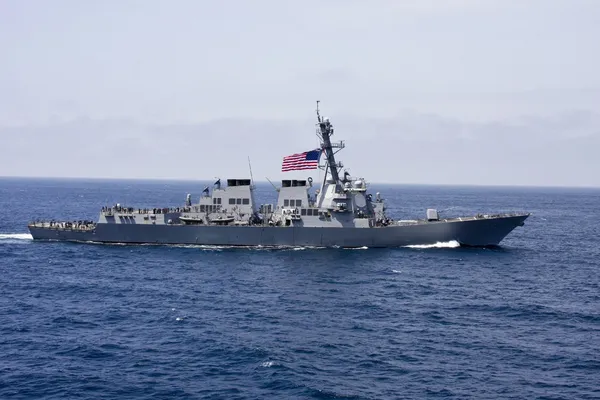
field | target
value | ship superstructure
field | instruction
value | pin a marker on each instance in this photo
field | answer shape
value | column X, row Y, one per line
column 340, row 213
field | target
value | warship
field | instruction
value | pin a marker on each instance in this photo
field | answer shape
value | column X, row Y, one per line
column 339, row 213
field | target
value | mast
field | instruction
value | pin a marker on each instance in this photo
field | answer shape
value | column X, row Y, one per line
column 325, row 132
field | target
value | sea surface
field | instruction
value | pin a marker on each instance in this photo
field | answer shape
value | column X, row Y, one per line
column 93, row 321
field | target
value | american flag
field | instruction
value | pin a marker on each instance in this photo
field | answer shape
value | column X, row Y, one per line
column 306, row 160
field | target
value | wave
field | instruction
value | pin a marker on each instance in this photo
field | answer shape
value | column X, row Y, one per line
column 207, row 247
column 439, row 245
column 15, row 236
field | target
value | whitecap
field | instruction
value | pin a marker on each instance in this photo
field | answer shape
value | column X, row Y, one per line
column 439, row 245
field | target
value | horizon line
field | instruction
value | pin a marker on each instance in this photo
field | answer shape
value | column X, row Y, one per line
column 267, row 182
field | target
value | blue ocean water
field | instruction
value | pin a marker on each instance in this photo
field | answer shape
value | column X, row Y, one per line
column 114, row 321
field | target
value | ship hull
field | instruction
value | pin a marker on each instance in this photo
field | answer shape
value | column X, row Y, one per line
column 472, row 232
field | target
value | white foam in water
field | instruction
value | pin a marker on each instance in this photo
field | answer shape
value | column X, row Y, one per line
column 15, row 236
column 439, row 245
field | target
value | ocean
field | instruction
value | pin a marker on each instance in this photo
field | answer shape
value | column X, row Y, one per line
column 93, row 321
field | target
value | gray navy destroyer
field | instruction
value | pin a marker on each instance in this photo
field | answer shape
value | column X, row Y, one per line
column 340, row 213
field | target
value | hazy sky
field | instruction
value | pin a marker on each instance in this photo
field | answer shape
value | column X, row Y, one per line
column 424, row 91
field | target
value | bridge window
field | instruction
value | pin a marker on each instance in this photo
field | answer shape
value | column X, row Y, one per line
column 238, row 201
column 286, row 203
column 231, row 201
column 303, row 211
column 298, row 203
column 245, row 201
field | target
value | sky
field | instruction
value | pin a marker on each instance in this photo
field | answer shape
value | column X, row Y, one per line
column 483, row 92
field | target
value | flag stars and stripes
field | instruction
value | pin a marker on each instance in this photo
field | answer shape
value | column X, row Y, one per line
column 300, row 161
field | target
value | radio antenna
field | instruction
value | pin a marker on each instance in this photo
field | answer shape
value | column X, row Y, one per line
column 318, row 114
column 250, row 167
column 274, row 187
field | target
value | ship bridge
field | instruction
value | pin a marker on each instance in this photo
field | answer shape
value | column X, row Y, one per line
column 294, row 193
column 237, row 197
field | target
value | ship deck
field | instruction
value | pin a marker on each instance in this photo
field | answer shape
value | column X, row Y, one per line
column 79, row 226
column 89, row 226
column 404, row 222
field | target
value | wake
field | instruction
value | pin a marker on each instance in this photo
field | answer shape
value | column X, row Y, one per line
column 15, row 236
column 21, row 237
column 439, row 245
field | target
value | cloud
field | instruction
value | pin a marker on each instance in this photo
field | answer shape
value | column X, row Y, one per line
column 409, row 148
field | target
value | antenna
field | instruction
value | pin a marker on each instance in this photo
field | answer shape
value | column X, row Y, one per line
column 274, row 187
column 318, row 114
column 250, row 166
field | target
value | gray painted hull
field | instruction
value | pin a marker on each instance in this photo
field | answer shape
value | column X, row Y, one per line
column 474, row 232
